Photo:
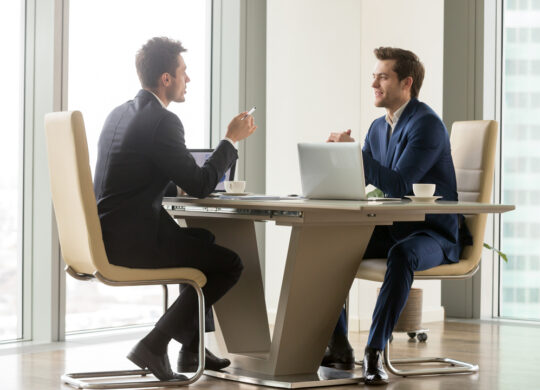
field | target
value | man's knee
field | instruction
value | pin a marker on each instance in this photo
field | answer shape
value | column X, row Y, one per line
column 237, row 266
column 208, row 236
column 401, row 259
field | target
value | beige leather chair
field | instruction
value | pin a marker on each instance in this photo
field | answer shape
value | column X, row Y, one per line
column 81, row 240
column 473, row 151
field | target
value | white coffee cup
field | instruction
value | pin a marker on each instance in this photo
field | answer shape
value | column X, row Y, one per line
column 235, row 186
column 423, row 189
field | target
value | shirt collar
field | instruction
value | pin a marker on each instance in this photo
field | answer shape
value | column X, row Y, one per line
column 158, row 99
column 392, row 121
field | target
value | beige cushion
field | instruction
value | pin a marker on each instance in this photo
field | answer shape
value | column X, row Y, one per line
column 75, row 206
column 473, row 152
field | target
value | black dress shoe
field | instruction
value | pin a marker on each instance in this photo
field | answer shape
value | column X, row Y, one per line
column 372, row 368
column 189, row 361
column 341, row 359
column 158, row 364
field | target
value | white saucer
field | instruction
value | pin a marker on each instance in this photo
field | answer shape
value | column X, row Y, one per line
column 423, row 199
column 235, row 193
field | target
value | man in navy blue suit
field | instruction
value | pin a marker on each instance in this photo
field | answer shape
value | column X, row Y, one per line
column 408, row 145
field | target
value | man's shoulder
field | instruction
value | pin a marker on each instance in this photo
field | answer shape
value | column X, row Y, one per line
column 422, row 109
column 380, row 121
column 142, row 115
column 147, row 109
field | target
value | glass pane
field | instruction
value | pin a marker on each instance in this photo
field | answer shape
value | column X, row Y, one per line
column 521, row 161
column 11, row 101
column 102, row 76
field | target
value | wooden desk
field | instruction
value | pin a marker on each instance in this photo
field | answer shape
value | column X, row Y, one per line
column 327, row 243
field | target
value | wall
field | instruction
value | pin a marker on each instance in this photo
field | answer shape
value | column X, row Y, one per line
column 319, row 64
column 313, row 85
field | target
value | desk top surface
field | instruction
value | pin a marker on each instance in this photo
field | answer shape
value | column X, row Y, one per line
column 439, row 207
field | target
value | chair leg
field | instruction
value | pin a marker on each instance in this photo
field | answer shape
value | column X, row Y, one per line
column 457, row 367
column 77, row 380
column 165, row 297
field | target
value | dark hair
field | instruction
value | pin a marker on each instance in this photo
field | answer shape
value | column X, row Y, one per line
column 157, row 56
column 407, row 64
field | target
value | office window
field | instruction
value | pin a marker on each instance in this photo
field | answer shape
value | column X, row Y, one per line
column 523, row 35
column 511, row 35
column 534, row 295
column 535, row 100
column 535, row 132
column 511, row 66
column 535, row 35
column 522, row 67
column 520, row 180
column 104, row 36
column 535, row 67
column 522, row 131
column 11, row 101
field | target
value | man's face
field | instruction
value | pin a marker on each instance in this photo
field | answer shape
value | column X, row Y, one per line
column 390, row 93
column 177, row 88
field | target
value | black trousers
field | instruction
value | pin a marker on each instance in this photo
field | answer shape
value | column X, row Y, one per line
column 195, row 248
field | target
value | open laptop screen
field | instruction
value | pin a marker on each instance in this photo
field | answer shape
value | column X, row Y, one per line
column 201, row 155
column 332, row 170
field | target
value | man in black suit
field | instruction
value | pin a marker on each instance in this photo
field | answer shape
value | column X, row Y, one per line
column 142, row 157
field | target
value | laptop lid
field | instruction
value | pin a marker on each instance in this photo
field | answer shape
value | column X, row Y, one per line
column 332, row 170
column 201, row 155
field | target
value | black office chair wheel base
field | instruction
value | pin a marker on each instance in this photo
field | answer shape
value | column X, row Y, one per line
column 422, row 337
column 412, row 335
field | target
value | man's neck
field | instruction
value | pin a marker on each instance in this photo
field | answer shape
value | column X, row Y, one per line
column 392, row 110
column 160, row 94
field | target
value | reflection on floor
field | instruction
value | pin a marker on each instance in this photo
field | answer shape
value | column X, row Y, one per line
column 508, row 355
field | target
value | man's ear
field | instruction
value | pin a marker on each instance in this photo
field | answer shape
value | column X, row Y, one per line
column 407, row 82
column 165, row 79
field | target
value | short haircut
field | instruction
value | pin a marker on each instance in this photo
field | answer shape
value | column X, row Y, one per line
column 407, row 64
column 157, row 56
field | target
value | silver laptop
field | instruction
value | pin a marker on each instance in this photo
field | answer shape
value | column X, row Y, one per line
column 332, row 170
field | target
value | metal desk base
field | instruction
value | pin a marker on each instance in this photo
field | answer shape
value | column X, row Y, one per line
column 324, row 377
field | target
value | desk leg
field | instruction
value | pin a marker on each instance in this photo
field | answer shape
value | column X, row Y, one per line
column 320, row 269
column 321, row 266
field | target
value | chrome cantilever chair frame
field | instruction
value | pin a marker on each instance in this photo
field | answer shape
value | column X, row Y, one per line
column 79, row 379
column 474, row 173
column 82, row 245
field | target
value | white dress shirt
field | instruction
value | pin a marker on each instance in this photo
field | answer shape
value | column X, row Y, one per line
column 392, row 121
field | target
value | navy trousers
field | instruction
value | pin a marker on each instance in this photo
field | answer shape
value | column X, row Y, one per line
column 415, row 253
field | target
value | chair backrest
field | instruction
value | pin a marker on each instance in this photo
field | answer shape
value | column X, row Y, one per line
column 473, row 151
column 474, row 145
column 72, row 191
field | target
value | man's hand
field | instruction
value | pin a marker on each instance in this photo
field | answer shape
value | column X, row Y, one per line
column 240, row 128
column 340, row 137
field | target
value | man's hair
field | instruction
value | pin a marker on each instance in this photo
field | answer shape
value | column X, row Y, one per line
column 157, row 56
column 407, row 64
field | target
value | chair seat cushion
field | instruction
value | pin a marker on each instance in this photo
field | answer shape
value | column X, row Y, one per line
column 374, row 269
column 125, row 274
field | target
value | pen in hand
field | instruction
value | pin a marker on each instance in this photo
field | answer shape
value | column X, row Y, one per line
column 249, row 112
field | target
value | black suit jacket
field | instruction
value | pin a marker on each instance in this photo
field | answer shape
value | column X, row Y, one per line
column 141, row 151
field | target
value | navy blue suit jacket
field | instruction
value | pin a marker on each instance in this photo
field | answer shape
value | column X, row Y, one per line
column 418, row 152
column 141, row 151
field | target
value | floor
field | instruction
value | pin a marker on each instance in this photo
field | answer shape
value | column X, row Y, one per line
column 507, row 353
